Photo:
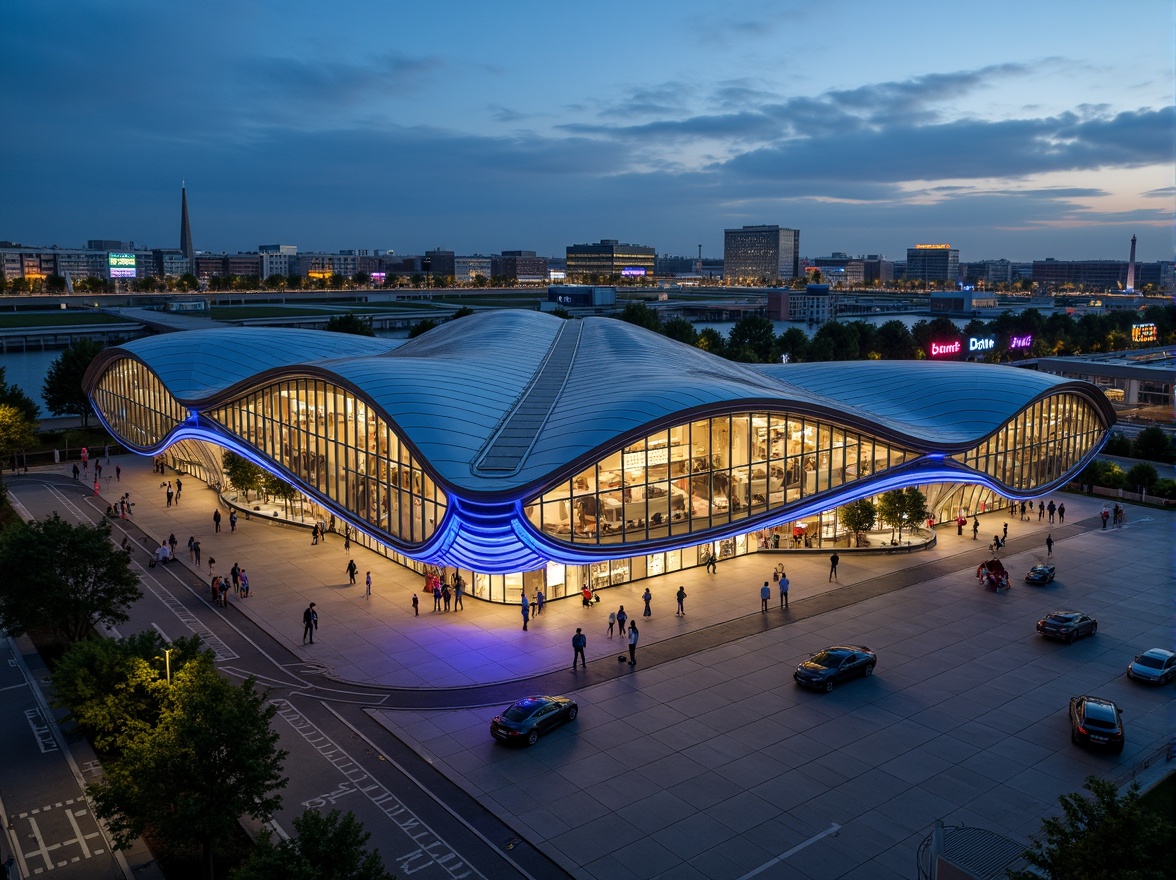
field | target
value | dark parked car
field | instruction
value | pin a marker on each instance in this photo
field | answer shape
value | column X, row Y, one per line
column 825, row 668
column 1156, row 666
column 1096, row 722
column 524, row 721
column 1067, row 625
column 1040, row 574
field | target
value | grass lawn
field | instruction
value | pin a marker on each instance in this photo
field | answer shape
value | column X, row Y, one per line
column 58, row 318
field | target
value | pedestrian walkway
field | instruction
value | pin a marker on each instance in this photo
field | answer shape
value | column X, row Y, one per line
column 378, row 640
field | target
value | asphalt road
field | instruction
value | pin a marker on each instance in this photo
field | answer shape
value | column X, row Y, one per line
column 423, row 825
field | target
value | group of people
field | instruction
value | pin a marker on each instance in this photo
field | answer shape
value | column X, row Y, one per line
column 237, row 581
column 1118, row 516
column 437, row 586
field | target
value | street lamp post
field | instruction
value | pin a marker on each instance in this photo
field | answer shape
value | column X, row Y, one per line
column 167, row 662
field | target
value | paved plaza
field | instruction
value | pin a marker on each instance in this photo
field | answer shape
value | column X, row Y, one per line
column 706, row 760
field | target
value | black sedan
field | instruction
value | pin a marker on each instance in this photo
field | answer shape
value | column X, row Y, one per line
column 825, row 668
column 1040, row 574
column 1096, row 722
column 524, row 721
column 1067, row 625
column 1156, row 666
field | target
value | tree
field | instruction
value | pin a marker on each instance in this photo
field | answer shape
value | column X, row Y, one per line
column 330, row 846
column 892, row 511
column 1103, row 837
column 63, row 577
column 755, row 337
column 211, row 759
column 682, row 330
column 1152, row 444
column 463, row 312
column 357, row 325
column 421, row 327
column 62, row 390
column 857, row 517
column 710, row 339
column 1143, row 475
column 914, row 505
column 794, row 343
column 242, row 473
column 895, row 342
column 1118, row 444
column 115, row 689
column 642, row 315
column 278, row 488
column 16, row 433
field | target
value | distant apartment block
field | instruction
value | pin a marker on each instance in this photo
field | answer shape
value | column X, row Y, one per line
column 610, row 257
column 1101, row 275
column 761, row 253
column 524, row 266
column 816, row 304
column 933, row 264
column 466, row 269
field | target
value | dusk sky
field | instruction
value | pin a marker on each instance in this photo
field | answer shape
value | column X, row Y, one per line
column 1008, row 129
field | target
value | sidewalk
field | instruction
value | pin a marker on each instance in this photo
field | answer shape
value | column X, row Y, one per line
column 378, row 641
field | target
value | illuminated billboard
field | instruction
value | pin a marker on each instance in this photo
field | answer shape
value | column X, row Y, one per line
column 633, row 272
column 946, row 349
column 379, row 277
column 1020, row 342
column 121, row 265
column 1144, row 333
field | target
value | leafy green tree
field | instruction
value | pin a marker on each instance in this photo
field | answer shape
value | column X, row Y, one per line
column 421, row 327
column 561, row 312
column 682, row 330
column 892, row 511
column 858, row 517
column 115, row 689
column 1107, row 836
column 463, row 312
column 914, row 504
column 1142, row 474
column 63, row 577
column 242, row 473
column 1118, row 444
column 642, row 315
column 212, row 758
column 936, row 330
column 710, row 339
column 16, row 433
column 62, row 390
column 357, row 325
column 794, row 343
column 1152, row 444
column 754, row 335
column 275, row 487
column 894, row 341
column 330, row 847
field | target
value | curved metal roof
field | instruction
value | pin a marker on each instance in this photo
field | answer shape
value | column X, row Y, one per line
column 501, row 400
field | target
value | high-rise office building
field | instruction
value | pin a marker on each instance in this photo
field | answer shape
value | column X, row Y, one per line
column 610, row 257
column 933, row 264
column 761, row 253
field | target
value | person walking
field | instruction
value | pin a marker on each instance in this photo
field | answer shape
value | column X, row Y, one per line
column 367, row 586
column 346, row 538
column 526, row 611
column 783, row 589
column 1040, row 511
column 1051, row 509
column 76, row 471
column 97, row 487
column 235, row 577
column 416, row 606
column 612, row 621
column 196, row 552
column 975, row 526
column 314, row 534
column 712, row 562
column 351, row 570
column 633, row 636
column 244, row 584
column 179, row 489
column 622, row 618
column 436, row 595
column 191, row 549
column 118, row 473
column 216, row 519
column 1004, row 535
column 540, row 599
column 765, row 596
column 232, row 522
column 211, row 564
column 647, row 597
column 446, row 596
column 681, row 597
column 309, row 623
column 833, row 560
column 1049, row 546
column 171, row 543
column 579, row 642
column 458, row 592
column 1062, row 513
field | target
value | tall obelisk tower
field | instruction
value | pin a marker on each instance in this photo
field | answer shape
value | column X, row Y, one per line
column 1131, row 267
column 186, row 248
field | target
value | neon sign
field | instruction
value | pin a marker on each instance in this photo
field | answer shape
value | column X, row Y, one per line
column 1144, row 333
column 981, row 343
column 941, row 349
column 121, row 265
column 1020, row 341
column 632, row 271
column 933, row 247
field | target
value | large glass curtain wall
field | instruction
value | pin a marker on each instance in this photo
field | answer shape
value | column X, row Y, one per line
column 135, row 403
column 1039, row 444
column 338, row 444
column 707, row 474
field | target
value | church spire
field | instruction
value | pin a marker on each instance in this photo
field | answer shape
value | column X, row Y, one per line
column 186, row 248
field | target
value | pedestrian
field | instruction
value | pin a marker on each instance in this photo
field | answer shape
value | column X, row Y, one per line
column 76, row 471
column 1040, row 511
column 351, row 569
column 765, row 595
column 1049, row 546
column 833, row 560
column 1004, row 535
column 314, row 535
column 784, row 590
column 309, row 623
column 540, row 600
column 191, row 549
column 960, row 525
column 232, row 522
column 214, row 588
column 975, row 526
column 579, row 642
column 526, row 611
column 1051, row 509
column 622, row 617
column 216, row 520
column 235, row 576
column 633, row 636
column 96, row 486
column 446, row 596
column 179, row 489
column 416, row 606
column 712, row 562
column 346, row 538
column 458, row 592
column 681, row 597
column 436, row 595
column 171, row 543
column 367, row 586
column 647, row 597
column 1105, row 514
column 1062, row 513
column 211, row 564
column 170, row 493
column 196, row 552
column 118, row 473
column 612, row 621
column 244, row 584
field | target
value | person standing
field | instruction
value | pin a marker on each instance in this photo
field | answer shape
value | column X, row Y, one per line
column 179, row 489
column 783, row 589
column 118, row 473
column 975, row 526
column 633, row 636
column 712, row 562
column 1040, row 511
column 191, row 549
column 681, row 597
column 416, row 606
column 540, row 599
column 622, row 618
column 76, row 471
column 170, row 494
column 1004, row 535
column 436, row 595
column 244, row 584
column 765, row 595
column 833, row 560
column 346, row 538
column 196, row 552
column 446, row 596
column 232, row 522
column 309, row 623
column 235, row 576
column 1051, row 509
column 367, row 586
column 579, row 642
column 1049, row 546
column 526, row 611
column 351, row 570
column 216, row 520
column 1062, row 513
column 458, row 592
column 647, row 597
column 314, row 534
column 97, row 488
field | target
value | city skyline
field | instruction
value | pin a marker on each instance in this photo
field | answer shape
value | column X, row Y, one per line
column 1008, row 131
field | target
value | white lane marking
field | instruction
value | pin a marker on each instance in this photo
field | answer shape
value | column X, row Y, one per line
column 832, row 829
column 42, row 850
column 430, row 847
column 41, row 731
column 80, row 838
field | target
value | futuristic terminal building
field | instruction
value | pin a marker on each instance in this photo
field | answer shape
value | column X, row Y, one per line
column 526, row 450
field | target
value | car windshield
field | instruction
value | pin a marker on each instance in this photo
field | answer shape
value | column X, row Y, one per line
column 521, row 711
column 1063, row 618
column 1150, row 662
column 828, row 659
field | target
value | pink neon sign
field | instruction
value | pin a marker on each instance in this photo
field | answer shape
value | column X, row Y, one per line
column 1020, row 341
column 941, row 349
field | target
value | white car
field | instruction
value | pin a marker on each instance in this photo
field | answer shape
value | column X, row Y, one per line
column 1156, row 666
